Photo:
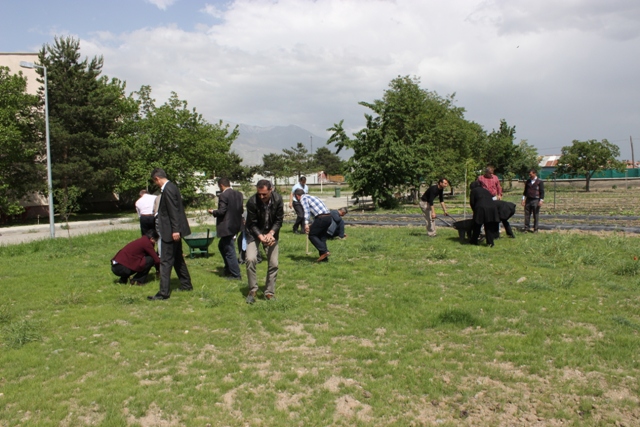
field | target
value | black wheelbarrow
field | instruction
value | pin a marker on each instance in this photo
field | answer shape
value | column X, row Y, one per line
column 464, row 227
column 199, row 243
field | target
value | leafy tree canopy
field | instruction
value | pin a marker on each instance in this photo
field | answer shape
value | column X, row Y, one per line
column 588, row 157
column 298, row 159
column 413, row 136
column 21, row 142
column 275, row 165
column 327, row 161
column 175, row 138
column 85, row 109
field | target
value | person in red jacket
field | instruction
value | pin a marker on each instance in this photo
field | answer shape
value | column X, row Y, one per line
column 136, row 257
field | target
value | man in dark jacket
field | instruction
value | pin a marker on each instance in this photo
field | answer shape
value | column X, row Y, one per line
column 265, row 213
column 506, row 210
column 136, row 257
column 228, row 223
column 485, row 212
column 532, row 199
column 173, row 225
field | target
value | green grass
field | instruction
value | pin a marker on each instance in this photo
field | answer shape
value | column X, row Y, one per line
column 396, row 330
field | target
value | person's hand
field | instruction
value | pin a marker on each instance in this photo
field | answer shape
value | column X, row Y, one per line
column 176, row 237
column 210, row 211
column 540, row 203
column 433, row 215
column 522, row 202
column 306, row 229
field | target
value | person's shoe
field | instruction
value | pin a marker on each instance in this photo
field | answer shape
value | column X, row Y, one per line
column 251, row 297
column 233, row 277
column 512, row 236
column 135, row 282
column 324, row 256
column 182, row 289
column 157, row 297
column 123, row 280
column 270, row 297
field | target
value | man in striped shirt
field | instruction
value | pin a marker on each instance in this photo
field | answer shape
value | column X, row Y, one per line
column 317, row 231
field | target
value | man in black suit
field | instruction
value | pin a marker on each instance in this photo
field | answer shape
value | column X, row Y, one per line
column 228, row 223
column 173, row 225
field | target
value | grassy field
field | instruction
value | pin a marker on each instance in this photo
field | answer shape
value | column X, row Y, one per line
column 397, row 330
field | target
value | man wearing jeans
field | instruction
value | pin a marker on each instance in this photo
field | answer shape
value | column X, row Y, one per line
column 532, row 199
column 265, row 213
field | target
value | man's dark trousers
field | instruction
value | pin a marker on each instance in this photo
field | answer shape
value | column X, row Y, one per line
column 318, row 232
column 228, row 252
column 297, row 206
column 171, row 257
column 531, row 206
column 147, row 222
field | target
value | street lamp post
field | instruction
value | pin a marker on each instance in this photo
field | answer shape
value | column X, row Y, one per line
column 52, row 225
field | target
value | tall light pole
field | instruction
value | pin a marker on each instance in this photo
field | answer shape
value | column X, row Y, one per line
column 52, row 225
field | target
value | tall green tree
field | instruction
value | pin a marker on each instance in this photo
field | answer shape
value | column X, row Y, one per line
column 173, row 137
column 275, row 165
column 327, row 161
column 85, row 109
column 298, row 159
column 508, row 158
column 588, row 157
column 414, row 135
column 21, row 142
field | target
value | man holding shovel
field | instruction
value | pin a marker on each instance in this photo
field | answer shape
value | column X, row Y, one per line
column 426, row 204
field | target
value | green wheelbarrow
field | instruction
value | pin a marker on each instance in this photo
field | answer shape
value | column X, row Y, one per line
column 199, row 243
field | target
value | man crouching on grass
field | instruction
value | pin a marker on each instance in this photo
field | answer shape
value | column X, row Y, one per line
column 136, row 257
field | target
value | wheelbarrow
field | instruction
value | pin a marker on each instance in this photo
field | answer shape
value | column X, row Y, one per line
column 199, row 243
column 464, row 227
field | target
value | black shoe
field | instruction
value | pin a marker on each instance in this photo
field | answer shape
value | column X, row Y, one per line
column 512, row 236
column 233, row 277
column 123, row 280
column 157, row 297
column 181, row 289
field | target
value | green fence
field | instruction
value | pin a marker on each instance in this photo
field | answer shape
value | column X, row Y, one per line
column 547, row 174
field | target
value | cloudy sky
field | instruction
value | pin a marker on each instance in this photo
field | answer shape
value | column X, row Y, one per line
column 558, row 70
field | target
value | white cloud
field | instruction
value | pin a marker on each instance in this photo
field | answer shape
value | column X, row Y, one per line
column 161, row 4
column 309, row 63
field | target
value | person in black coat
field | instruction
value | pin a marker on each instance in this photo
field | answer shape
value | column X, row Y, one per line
column 506, row 210
column 173, row 225
column 485, row 212
column 228, row 223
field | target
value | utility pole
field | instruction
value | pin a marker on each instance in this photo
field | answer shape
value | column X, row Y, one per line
column 311, row 139
column 633, row 159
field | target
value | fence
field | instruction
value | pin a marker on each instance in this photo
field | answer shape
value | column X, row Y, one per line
column 547, row 173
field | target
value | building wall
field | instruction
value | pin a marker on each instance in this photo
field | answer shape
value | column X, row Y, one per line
column 12, row 60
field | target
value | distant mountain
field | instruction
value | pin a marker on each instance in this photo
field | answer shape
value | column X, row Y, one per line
column 254, row 141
